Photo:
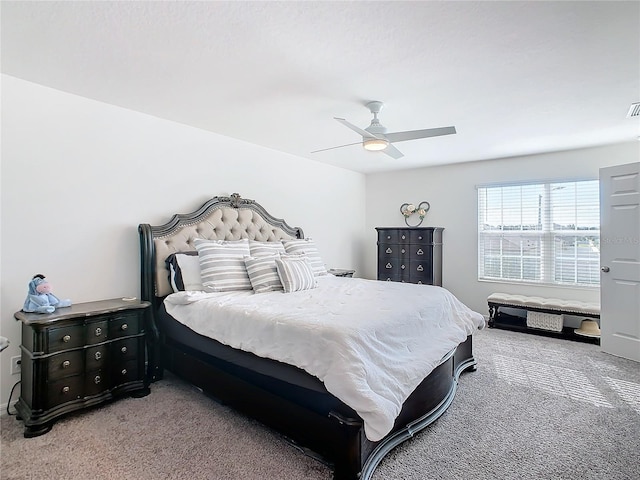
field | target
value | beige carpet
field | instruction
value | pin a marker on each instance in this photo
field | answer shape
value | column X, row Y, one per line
column 537, row 408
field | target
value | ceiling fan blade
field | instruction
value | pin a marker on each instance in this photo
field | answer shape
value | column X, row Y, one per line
column 416, row 134
column 359, row 130
column 393, row 152
column 339, row 146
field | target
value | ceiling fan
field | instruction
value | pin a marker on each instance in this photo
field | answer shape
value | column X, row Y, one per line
column 375, row 137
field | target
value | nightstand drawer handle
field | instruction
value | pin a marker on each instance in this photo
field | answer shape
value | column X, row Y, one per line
column 403, row 250
column 97, row 380
column 65, row 389
column 66, row 338
column 98, row 331
column 389, row 250
column 124, row 371
column 420, row 268
column 66, row 364
column 123, row 349
column 98, row 355
column 420, row 252
column 402, row 267
column 124, row 326
column 388, row 265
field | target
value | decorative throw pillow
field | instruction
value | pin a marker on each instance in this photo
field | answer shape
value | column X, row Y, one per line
column 222, row 264
column 265, row 248
column 295, row 273
column 308, row 247
column 263, row 273
column 184, row 271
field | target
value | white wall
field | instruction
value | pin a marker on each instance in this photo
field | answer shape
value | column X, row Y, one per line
column 451, row 192
column 78, row 176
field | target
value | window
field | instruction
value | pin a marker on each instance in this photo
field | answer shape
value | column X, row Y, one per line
column 546, row 233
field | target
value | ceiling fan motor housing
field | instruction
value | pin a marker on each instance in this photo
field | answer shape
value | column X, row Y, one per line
column 376, row 128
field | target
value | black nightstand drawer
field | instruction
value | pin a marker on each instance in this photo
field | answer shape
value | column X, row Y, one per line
column 96, row 382
column 96, row 357
column 64, row 338
column 97, row 332
column 125, row 371
column 123, row 325
column 65, row 390
column 125, row 349
column 65, row 364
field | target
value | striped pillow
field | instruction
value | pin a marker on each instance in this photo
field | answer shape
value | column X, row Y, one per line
column 263, row 273
column 265, row 248
column 184, row 271
column 308, row 248
column 295, row 273
column 222, row 264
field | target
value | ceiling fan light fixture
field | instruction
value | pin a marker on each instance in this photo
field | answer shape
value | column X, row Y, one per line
column 375, row 144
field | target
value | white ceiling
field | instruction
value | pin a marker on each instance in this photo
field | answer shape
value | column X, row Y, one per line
column 515, row 78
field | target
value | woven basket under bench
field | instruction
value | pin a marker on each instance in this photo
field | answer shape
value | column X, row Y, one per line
column 544, row 314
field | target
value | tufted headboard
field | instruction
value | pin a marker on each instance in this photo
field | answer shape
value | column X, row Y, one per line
column 221, row 218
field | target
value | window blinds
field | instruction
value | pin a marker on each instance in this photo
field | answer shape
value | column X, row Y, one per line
column 547, row 233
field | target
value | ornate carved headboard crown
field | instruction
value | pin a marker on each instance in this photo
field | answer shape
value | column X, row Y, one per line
column 221, row 218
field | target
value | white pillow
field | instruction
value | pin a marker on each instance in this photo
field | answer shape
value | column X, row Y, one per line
column 308, row 248
column 265, row 248
column 222, row 264
column 295, row 273
column 263, row 273
column 184, row 271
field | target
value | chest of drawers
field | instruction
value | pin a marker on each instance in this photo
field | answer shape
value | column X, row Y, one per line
column 412, row 254
column 80, row 356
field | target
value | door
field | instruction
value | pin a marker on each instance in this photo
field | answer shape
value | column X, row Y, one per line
column 620, row 260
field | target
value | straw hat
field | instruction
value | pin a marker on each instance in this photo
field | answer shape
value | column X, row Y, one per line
column 588, row 328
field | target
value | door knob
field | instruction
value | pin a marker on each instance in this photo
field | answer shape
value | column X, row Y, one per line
column 604, row 269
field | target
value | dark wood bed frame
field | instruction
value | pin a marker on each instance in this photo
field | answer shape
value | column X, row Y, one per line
column 332, row 436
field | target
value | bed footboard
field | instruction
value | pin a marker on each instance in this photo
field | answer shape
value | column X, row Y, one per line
column 335, row 437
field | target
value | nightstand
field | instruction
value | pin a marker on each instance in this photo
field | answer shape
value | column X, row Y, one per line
column 80, row 356
column 339, row 272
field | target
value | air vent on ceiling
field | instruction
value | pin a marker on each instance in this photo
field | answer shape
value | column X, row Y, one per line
column 634, row 110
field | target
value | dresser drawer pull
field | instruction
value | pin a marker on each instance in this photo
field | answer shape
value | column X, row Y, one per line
column 402, row 267
column 420, row 268
column 123, row 349
column 97, row 380
column 66, row 364
column 388, row 265
column 124, row 326
column 403, row 250
column 389, row 250
column 98, row 355
column 65, row 389
column 66, row 338
column 98, row 331
column 124, row 371
column 403, row 237
column 388, row 237
column 420, row 252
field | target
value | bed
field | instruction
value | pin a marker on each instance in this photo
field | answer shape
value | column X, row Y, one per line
column 311, row 404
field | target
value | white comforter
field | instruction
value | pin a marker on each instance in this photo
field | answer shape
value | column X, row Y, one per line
column 370, row 342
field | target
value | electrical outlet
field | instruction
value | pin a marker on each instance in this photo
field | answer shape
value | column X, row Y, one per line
column 15, row 365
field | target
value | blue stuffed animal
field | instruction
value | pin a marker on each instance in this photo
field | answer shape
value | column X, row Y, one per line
column 40, row 299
